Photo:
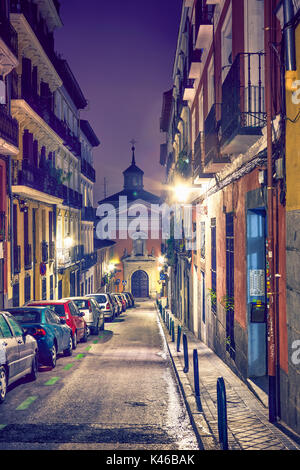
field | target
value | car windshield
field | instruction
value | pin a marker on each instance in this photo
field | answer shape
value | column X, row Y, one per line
column 101, row 299
column 81, row 303
column 27, row 316
column 58, row 309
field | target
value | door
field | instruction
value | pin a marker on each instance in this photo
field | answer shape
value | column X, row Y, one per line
column 256, row 292
column 9, row 342
column 140, row 284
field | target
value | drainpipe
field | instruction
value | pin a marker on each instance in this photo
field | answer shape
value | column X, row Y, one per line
column 289, row 42
column 270, row 255
column 11, row 216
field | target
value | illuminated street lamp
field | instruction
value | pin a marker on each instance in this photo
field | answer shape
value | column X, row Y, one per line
column 68, row 242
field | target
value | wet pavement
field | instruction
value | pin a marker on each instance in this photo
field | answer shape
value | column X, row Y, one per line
column 118, row 391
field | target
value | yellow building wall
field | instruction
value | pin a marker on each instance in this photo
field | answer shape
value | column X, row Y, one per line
column 293, row 143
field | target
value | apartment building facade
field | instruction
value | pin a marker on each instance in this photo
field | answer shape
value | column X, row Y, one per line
column 45, row 252
column 224, row 123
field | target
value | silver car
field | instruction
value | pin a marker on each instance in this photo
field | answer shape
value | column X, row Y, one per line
column 105, row 302
column 18, row 353
column 93, row 315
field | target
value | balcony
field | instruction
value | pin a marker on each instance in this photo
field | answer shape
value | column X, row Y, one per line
column 9, row 133
column 88, row 214
column 163, row 154
column 71, row 197
column 66, row 257
column 199, row 176
column 88, row 171
column 213, row 161
column 2, row 226
column 204, row 24
column 17, row 259
column 90, row 260
column 29, row 180
column 188, row 89
column 40, row 106
column 27, row 257
column 9, row 35
column 243, row 104
column 36, row 39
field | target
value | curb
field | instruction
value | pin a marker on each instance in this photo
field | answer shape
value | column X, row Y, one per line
column 204, row 434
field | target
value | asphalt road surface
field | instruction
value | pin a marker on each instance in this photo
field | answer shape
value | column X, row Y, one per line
column 117, row 391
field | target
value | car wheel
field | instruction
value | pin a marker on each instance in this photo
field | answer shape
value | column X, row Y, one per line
column 74, row 341
column 3, row 384
column 34, row 369
column 85, row 335
column 53, row 356
column 102, row 327
column 68, row 351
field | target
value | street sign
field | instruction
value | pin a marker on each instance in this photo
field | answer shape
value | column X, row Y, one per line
column 124, row 283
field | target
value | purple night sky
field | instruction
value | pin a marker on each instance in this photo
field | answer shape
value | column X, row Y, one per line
column 122, row 54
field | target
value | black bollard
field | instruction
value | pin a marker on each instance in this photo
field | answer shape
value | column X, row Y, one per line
column 222, row 413
column 186, row 353
column 178, row 337
column 196, row 379
column 173, row 331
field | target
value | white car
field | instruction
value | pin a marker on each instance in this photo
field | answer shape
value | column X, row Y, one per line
column 106, row 304
column 18, row 353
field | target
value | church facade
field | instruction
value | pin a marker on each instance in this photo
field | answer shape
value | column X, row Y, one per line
column 136, row 259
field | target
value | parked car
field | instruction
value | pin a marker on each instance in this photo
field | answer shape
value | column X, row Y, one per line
column 126, row 300
column 52, row 334
column 18, row 353
column 131, row 297
column 67, row 310
column 93, row 315
column 105, row 302
column 118, row 301
column 115, row 305
column 123, row 301
column 129, row 300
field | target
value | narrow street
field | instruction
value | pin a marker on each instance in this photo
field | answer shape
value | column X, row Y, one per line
column 118, row 391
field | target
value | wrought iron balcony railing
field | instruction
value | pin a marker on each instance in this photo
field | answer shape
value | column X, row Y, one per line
column 243, row 102
column 213, row 160
column 9, row 127
column 88, row 171
column 9, row 35
column 27, row 174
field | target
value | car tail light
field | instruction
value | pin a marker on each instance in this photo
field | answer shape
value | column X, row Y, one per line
column 107, row 306
column 90, row 307
column 39, row 332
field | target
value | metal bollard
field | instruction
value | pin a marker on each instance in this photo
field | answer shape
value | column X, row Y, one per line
column 173, row 331
column 196, row 379
column 222, row 413
column 186, row 353
column 178, row 337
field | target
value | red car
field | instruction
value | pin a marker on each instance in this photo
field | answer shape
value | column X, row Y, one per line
column 67, row 310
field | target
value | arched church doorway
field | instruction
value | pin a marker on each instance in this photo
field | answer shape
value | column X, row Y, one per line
column 140, row 284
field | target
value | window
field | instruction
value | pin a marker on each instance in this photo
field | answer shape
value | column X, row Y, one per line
column 227, row 45
column 213, row 266
column 4, row 328
column 27, row 289
column 210, row 85
column 138, row 247
column 15, row 326
column 202, row 239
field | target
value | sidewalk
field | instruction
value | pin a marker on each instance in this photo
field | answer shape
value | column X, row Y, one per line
column 248, row 424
